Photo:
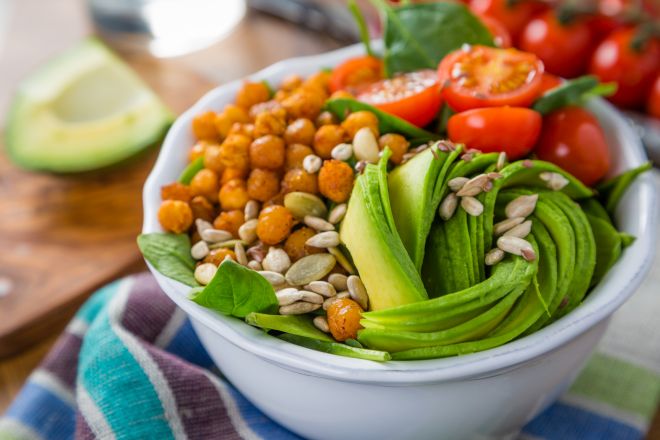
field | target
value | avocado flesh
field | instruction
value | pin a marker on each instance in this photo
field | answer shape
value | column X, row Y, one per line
column 84, row 110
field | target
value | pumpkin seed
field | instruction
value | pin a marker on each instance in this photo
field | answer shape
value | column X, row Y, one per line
column 274, row 278
column 338, row 281
column 324, row 239
column 204, row 273
column 472, row 206
column 276, row 260
column 337, row 214
column 365, row 145
column 500, row 228
column 312, row 163
column 341, row 259
column 199, row 250
column 301, row 204
column 357, row 291
column 299, row 308
column 215, row 235
column 521, row 206
column 321, row 323
column 342, row 152
column 248, row 231
column 318, row 223
column 323, row 288
column 310, row 268
column 251, row 210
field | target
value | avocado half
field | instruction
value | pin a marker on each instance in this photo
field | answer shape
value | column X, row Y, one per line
column 84, row 110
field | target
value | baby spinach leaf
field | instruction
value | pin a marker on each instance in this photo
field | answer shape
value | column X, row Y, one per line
column 170, row 255
column 237, row 291
column 300, row 325
column 611, row 191
column 362, row 26
column 418, row 36
column 573, row 92
column 189, row 172
column 387, row 123
column 338, row 349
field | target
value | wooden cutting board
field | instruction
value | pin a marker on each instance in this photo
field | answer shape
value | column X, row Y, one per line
column 61, row 237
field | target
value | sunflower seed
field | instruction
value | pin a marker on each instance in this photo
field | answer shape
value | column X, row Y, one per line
column 251, row 210
column 241, row 256
column 527, row 163
column 520, row 231
column 273, row 278
column 472, row 206
column 276, row 260
column 494, row 176
column 474, row 186
column 457, row 183
column 494, row 256
column 419, row 149
column 500, row 228
column 324, row 239
column 329, row 301
column 467, row 157
column 202, row 225
column 323, row 288
column 248, row 230
column 321, row 323
column 357, row 291
column 199, row 250
column 516, row 246
column 337, row 214
column 288, row 295
column 448, row 206
column 299, row 308
column 257, row 252
column 310, row 268
column 501, row 161
column 554, row 181
column 204, row 273
column 341, row 259
column 312, row 163
column 318, row 223
column 255, row 265
column 360, row 166
column 215, row 235
column 339, row 281
column 365, row 145
column 342, row 152
column 301, row 204
column 312, row 297
column 521, row 206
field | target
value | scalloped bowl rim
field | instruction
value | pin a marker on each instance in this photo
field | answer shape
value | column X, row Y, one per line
column 620, row 282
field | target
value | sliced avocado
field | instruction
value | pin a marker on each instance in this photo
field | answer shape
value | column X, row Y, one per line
column 84, row 110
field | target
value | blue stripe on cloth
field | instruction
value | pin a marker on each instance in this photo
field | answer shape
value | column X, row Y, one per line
column 565, row 422
column 118, row 385
column 258, row 421
column 186, row 345
column 44, row 412
column 97, row 301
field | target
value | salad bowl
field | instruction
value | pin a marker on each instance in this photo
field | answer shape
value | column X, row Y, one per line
column 490, row 394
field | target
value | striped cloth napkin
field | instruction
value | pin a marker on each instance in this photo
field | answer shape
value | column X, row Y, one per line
column 129, row 366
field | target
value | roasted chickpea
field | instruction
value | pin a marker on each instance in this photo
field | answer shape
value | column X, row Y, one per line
column 233, row 173
column 263, row 184
column 336, row 180
column 344, row 316
column 326, row 118
column 295, row 245
column 229, row 116
column 397, row 143
column 234, row 152
column 304, row 103
column 202, row 208
column 203, row 126
column 291, row 83
column 274, row 225
column 213, row 159
column 217, row 256
column 230, row 221
column 341, row 94
column 251, row 94
column 175, row 191
column 242, row 129
column 205, row 183
column 295, row 154
column 320, row 79
column 198, row 149
column 358, row 120
column 233, row 195
column 281, row 95
column 175, row 216
column 326, row 138
column 267, row 152
column 300, row 131
column 298, row 179
column 272, row 122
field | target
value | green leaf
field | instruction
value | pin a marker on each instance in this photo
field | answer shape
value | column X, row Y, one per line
column 170, row 255
column 418, row 36
column 300, row 325
column 338, row 349
column 611, row 191
column 387, row 123
column 189, row 172
column 445, row 113
column 362, row 26
column 573, row 92
column 237, row 291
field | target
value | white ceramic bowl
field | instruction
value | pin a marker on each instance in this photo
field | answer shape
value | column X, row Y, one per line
column 491, row 394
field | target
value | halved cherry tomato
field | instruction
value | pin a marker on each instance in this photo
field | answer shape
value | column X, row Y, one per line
column 480, row 76
column 653, row 104
column 573, row 139
column 356, row 72
column 549, row 82
column 512, row 14
column 564, row 48
column 500, row 34
column 634, row 69
column 413, row 96
column 513, row 130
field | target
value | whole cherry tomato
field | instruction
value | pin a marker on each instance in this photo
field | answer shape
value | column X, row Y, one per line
column 513, row 15
column 653, row 104
column 573, row 139
column 633, row 68
column 500, row 34
column 479, row 76
column 564, row 48
column 513, row 130
column 356, row 72
column 413, row 96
